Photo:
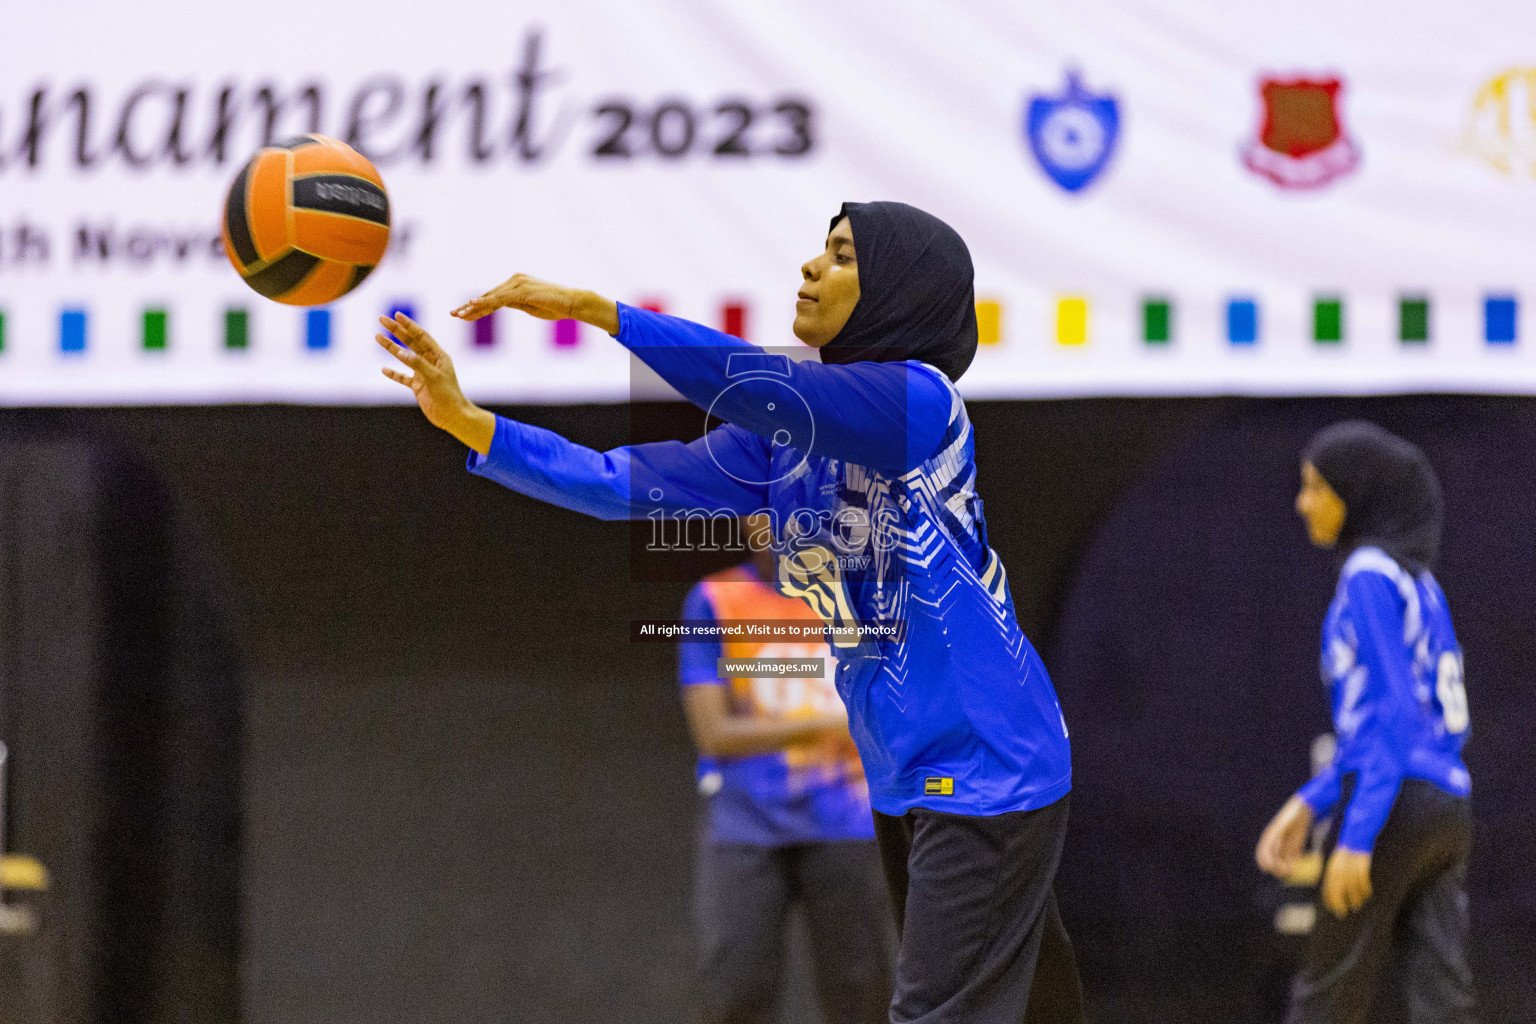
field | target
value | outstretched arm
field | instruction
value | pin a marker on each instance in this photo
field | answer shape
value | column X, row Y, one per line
column 712, row 474
column 889, row 416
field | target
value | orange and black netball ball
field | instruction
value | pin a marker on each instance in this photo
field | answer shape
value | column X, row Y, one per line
column 306, row 220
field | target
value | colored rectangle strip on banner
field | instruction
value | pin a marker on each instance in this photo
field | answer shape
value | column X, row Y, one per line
column 72, row 330
column 1072, row 321
column 1242, row 322
column 566, row 333
column 1156, row 321
column 989, row 322
column 317, row 329
column 1500, row 319
column 654, row 305
column 733, row 319
column 1328, row 320
column 1413, row 320
column 237, row 328
column 409, row 309
column 2, row 330
column 483, row 331
column 155, row 330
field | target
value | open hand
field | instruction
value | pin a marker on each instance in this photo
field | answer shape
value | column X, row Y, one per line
column 537, row 298
column 545, row 301
column 433, row 382
column 1347, row 881
column 1281, row 845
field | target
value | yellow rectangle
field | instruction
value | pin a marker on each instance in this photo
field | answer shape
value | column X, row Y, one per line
column 1072, row 321
column 989, row 321
column 936, row 786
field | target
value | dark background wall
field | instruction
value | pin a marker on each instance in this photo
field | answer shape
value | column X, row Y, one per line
column 466, row 794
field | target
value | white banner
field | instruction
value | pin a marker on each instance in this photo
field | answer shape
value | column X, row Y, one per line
column 1161, row 197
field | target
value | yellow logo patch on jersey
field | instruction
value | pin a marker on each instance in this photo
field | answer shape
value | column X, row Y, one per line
column 938, row 786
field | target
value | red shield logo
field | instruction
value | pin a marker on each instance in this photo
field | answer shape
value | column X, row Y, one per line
column 1302, row 142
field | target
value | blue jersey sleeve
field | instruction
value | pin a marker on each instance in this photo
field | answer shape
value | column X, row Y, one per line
column 888, row 416
column 1383, row 715
column 1323, row 791
column 698, row 664
column 629, row 482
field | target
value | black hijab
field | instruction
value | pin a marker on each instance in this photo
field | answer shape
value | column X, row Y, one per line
column 1391, row 495
column 916, row 299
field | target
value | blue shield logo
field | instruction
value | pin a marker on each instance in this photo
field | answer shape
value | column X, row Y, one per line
column 1072, row 135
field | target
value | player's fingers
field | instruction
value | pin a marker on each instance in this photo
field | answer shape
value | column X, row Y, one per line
column 1332, row 897
column 396, row 376
column 411, row 334
column 419, row 339
column 405, row 331
column 395, row 326
column 401, row 353
column 1360, row 891
column 1279, row 864
column 1349, row 895
column 472, row 310
column 1264, row 853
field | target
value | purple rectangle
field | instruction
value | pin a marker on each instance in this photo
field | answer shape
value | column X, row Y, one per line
column 485, row 331
column 567, row 333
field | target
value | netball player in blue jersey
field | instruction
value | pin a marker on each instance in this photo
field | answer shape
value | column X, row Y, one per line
column 1395, row 879
column 865, row 463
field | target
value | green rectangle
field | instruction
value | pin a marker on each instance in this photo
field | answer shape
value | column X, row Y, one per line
column 154, row 328
column 1328, row 321
column 1413, row 321
column 237, row 324
column 1157, row 321
column 2, row 330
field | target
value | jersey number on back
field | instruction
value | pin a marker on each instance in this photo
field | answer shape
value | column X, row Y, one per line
column 1452, row 693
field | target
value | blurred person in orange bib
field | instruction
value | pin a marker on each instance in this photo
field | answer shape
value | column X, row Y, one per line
column 787, row 819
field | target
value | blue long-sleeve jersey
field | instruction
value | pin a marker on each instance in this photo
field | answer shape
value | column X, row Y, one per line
column 1394, row 668
column 870, row 468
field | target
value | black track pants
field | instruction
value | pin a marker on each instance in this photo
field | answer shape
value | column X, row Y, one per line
column 1416, row 916
column 981, row 939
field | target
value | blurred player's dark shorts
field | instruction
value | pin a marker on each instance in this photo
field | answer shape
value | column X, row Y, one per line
column 742, row 897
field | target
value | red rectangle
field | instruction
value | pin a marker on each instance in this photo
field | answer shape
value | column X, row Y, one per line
column 733, row 317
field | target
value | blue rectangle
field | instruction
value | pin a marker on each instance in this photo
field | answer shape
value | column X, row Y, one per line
column 1500, row 319
column 1242, row 321
column 317, row 329
column 72, row 330
column 402, row 307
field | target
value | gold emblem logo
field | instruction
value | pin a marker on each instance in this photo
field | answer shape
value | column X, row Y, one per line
column 1501, row 130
